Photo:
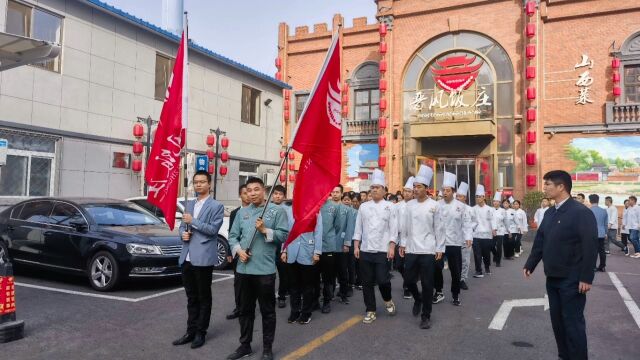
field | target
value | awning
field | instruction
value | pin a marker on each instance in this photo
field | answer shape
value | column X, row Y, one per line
column 19, row 50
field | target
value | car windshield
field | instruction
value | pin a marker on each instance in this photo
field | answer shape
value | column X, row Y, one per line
column 121, row 214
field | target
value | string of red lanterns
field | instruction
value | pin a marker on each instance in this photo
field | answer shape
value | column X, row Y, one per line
column 382, row 104
column 138, row 147
column 211, row 153
column 615, row 67
column 530, row 30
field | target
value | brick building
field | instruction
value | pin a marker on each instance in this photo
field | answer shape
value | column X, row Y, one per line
column 498, row 91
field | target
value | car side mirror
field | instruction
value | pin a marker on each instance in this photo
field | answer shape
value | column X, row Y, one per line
column 78, row 224
column 178, row 215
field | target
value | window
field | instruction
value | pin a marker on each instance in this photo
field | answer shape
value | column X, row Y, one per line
column 120, row 215
column 33, row 22
column 63, row 214
column 632, row 83
column 164, row 69
column 250, row 113
column 121, row 160
column 37, row 211
column 150, row 207
column 505, row 171
column 301, row 99
column 366, row 104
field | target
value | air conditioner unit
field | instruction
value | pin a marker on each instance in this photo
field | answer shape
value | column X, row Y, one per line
column 268, row 178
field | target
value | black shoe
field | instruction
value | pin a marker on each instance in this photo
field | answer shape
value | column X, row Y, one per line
column 233, row 315
column 407, row 294
column 242, row 351
column 487, row 271
column 478, row 274
column 463, row 285
column 601, row 269
column 198, row 341
column 293, row 317
column 282, row 303
column 417, row 306
column 304, row 319
column 185, row 339
column 425, row 323
column 267, row 354
column 350, row 291
column 344, row 299
column 326, row 308
column 456, row 301
column 497, row 264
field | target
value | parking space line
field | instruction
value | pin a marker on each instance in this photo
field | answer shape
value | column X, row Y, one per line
column 226, row 277
column 307, row 348
column 626, row 297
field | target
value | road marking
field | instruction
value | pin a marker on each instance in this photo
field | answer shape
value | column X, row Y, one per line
column 500, row 318
column 307, row 348
column 626, row 297
column 623, row 273
column 118, row 298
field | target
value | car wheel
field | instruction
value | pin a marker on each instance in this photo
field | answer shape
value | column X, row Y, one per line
column 4, row 253
column 103, row 271
column 223, row 252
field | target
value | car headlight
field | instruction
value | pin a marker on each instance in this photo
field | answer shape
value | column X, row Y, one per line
column 143, row 249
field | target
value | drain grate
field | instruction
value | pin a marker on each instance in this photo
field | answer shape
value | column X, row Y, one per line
column 522, row 344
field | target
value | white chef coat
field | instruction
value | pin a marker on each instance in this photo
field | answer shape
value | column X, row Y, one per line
column 453, row 223
column 376, row 226
column 196, row 211
column 512, row 222
column 625, row 220
column 521, row 221
column 612, row 212
column 400, row 209
column 483, row 216
column 539, row 215
column 499, row 223
column 418, row 235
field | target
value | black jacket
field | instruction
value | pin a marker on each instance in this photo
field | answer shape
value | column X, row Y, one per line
column 567, row 242
column 232, row 217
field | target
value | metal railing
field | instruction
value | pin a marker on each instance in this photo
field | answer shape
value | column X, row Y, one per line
column 622, row 113
column 360, row 129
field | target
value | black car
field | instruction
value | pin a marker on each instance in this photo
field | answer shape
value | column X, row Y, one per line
column 107, row 240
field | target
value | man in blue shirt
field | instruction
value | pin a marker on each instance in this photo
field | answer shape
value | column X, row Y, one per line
column 602, row 219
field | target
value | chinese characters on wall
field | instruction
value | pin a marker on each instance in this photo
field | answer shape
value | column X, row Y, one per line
column 584, row 80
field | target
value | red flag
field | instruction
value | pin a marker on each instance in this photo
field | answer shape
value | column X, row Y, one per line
column 319, row 139
column 163, row 169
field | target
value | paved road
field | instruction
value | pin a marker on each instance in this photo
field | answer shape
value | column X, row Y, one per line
column 140, row 321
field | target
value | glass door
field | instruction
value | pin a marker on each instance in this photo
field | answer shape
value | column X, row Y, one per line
column 423, row 160
column 464, row 169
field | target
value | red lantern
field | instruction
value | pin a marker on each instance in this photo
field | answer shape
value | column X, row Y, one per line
column 136, row 165
column 530, row 51
column 224, row 156
column 383, row 85
column 224, row 142
column 138, row 130
column 286, row 105
column 382, row 141
column 531, row 72
column 279, row 76
column 531, row 115
column 212, row 168
column 531, row 180
column 223, row 170
column 383, row 66
column 283, row 178
column 530, row 30
column 278, row 62
column 530, row 8
column 211, row 140
column 484, row 167
column 615, row 63
column 382, row 29
column 617, row 91
column 531, row 137
column 292, row 167
column 345, row 98
column 137, row 148
column 382, row 123
column 210, row 154
column 292, row 155
column 282, row 153
column 345, row 88
column 292, row 177
column 345, row 110
column 531, row 93
column 383, row 47
column 383, row 104
column 286, row 115
column 287, row 94
column 531, row 158
column 382, row 161
column 616, row 77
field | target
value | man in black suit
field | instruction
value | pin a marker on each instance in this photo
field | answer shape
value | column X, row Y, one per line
column 244, row 200
column 567, row 242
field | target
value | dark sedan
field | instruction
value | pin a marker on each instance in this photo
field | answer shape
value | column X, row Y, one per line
column 107, row 240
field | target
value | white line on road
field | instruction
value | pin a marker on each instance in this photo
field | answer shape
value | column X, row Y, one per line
column 500, row 318
column 626, row 297
column 227, row 277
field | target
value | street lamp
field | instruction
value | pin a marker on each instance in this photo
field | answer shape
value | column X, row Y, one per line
column 213, row 139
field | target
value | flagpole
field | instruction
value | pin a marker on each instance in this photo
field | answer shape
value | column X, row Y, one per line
column 185, row 112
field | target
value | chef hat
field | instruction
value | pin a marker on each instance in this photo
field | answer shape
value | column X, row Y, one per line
column 463, row 189
column 480, row 190
column 425, row 174
column 378, row 178
column 449, row 180
column 440, row 193
column 511, row 199
column 497, row 196
column 409, row 184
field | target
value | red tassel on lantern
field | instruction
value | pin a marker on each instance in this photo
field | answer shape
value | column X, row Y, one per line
column 531, row 93
column 530, row 30
column 531, row 115
column 211, row 140
column 383, row 47
column 383, row 85
column 617, row 91
column 382, row 29
column 383, row 104
column 530, row 51
column 210, row 154
column 615, row 77
column 531, row 137
column 292, row 167
column 382, row 123
column 278, row 62
column 531, row 72
column 137, row 148
column 224, row 142
column 615, row 63
column 383, row 66
column 292, row 177
column 224, row 156
column 138, row 130
column 292, row 156
column 382, row 161
column 531, row 180
column 530, row 8
column 212, row 168
column 382, row 141
column 223, row 170
column 136, row 165
column 531, row 158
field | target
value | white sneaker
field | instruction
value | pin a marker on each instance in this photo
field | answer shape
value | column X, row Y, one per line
column 636, row 255
column 369, row 317
column 517, row 255
column 390, row 307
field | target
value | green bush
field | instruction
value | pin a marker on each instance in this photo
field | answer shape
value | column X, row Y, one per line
column 531, row 202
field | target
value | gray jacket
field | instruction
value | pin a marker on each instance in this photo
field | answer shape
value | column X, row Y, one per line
column 302, row 249
column 203, row 246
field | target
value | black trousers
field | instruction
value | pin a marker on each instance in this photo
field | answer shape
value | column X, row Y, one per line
column 497, row 248
column 423, row 267
column 509, row 245
column 342, row 262
column 601, row 253
column 352, row 267
column 566, row 307
column 328, row 273
column 624, row 238
column 263, row 289
column 283, row 277
column 197, row 285
column 621, row 244
column 374, row 269
column 302, row 279
column 454, row 259
column 517, row 242
column 482, row 253
column 236, row 283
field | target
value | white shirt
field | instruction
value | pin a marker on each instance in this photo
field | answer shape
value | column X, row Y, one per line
column 453, row 223
column 376, row 226
column 625, row 220
column 558, row 204
column 632, row 218
column 512, row 222
column 539, row 215
column 612, row 212
column 418, row 235
column 483, row 218
column 499, row 223
column 521, row 220
column 196, row 211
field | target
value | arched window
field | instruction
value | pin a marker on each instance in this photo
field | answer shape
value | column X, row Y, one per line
column 362, row 122
column 630, row 69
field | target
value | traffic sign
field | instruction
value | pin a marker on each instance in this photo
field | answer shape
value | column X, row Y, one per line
column 201, row 163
